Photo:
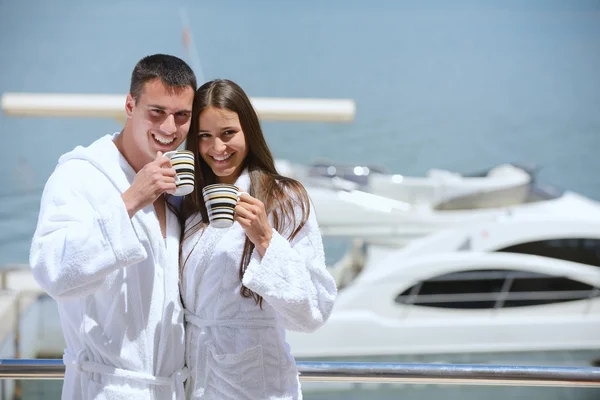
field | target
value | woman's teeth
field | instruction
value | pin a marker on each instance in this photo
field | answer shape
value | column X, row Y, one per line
column 223, row 158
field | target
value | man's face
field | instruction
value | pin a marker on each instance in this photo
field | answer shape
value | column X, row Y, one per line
column 160, row 120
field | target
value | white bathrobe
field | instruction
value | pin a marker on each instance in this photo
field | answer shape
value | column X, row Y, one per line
column 115, row 280
column 235, row 350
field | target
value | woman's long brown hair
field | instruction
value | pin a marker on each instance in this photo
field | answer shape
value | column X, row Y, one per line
column 280, row 195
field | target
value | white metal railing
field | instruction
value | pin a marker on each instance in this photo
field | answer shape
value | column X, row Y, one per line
column 462, row 374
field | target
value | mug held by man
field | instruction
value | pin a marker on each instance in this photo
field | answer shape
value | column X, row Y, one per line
column 183, row 163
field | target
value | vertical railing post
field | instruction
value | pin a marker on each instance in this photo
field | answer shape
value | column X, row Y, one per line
column 18, row 395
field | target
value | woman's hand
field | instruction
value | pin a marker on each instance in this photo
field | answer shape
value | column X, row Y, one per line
column 252, row 216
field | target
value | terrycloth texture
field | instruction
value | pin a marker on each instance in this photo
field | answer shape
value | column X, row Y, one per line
column 235, row 350
column 115, row 280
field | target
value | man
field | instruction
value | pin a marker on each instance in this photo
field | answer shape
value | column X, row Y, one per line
column 106, row 246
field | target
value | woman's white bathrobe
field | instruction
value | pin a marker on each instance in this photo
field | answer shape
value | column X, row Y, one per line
column 115, row 280
column 235, row 350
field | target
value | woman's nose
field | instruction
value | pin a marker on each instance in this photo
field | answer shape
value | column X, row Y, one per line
column 219, row 145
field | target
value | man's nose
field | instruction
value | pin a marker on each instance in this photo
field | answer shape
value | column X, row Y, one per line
column 169, row 125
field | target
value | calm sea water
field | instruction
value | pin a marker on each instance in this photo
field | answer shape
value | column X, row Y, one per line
column 462, row 85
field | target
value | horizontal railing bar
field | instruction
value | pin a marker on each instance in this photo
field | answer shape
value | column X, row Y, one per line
column 462, row 374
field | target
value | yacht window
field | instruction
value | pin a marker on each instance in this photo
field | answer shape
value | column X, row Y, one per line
column 546, row 290
column 487, row 289
column 580, row 250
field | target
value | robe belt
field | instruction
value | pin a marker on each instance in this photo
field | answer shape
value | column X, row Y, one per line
column 229, row 323
column 175, row 381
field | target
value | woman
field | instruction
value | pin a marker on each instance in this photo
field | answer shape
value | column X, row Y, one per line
column 244, row 285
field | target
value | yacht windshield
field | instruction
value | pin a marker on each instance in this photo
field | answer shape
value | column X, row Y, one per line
column 529, row 193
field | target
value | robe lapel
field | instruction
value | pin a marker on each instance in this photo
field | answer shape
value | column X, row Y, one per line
column 201, row 254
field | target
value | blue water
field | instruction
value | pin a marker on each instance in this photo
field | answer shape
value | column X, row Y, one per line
column 462, row 85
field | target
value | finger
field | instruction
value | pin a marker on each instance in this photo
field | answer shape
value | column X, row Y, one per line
column 245, row 197
column 161, row 160
column 256, row 203
column 242, row 211
column 166, row 181
column 242, row 221
column 253, row 209
column 249, row 202
column 164, row 162
column 250, row 209
column 170, row 172
column 170, row 188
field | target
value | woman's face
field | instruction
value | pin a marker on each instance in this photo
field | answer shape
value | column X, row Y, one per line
column 221, row 143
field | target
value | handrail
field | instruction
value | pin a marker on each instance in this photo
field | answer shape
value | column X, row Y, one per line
column 463, row 374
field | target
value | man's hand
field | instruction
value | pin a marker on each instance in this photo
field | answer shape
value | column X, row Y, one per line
column 156, row 178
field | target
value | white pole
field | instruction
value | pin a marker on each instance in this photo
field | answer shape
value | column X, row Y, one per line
column 113, row 106
column 189, row 45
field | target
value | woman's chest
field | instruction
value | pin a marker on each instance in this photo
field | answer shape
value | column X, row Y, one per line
column 216, row 257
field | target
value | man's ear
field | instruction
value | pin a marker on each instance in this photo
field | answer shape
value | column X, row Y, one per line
column 129, row 105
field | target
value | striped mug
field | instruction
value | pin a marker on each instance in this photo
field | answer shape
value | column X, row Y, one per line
column 183, row 163
column 220, row 200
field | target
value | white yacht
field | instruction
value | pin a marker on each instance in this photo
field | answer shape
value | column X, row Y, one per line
column 517, row 291
column 386, row 221
column 392, row 210
column 507, row 182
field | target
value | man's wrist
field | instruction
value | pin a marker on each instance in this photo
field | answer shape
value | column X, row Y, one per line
column 131, row 204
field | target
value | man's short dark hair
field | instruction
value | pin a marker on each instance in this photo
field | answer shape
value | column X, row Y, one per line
column 172, row 71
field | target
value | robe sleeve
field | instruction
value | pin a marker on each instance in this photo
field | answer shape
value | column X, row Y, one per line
column 83, row 233
column 293, row 279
